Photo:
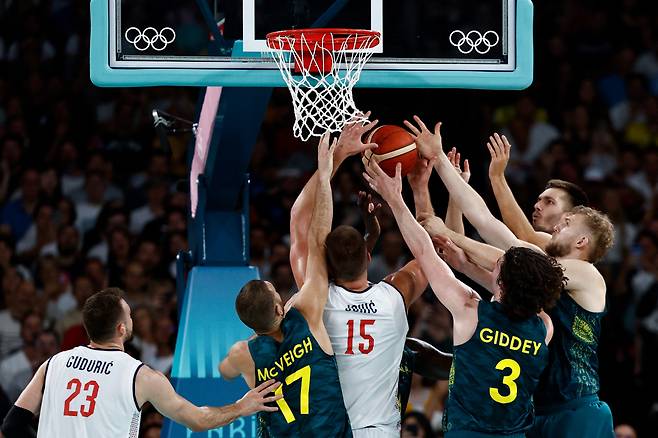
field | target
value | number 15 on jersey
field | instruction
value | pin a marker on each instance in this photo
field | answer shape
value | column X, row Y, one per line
column 364, row 347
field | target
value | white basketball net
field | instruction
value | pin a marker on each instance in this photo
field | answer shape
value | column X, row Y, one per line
column 322, row 100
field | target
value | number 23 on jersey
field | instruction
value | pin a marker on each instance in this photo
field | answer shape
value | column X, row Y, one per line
column 88, row 405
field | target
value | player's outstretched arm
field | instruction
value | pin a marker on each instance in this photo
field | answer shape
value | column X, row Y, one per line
column 455, row 295
column 312, row 297
column 479, row 253
column 419, row 179
column 454, row 219
column 430, row 362
column 369, row 213
column 469, row 201
column 499, row 149
column 349, row 143
column 17, row 423
column 154, row 387
column 457, row 259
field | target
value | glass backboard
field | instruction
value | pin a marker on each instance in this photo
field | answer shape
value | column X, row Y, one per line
column 431, row 43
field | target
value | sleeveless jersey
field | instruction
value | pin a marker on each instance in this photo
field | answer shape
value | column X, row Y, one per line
column 494, row 374
column 312, row 403
column 368, row 330
column 90, row 392
column 573, row 365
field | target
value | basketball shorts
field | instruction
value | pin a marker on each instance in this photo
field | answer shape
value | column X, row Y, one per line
column 584, row 418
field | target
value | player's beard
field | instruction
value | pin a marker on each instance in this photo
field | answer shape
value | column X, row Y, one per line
column 557, row 249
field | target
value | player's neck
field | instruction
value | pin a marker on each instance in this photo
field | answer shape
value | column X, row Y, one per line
column 114, row 344
column 358, row 285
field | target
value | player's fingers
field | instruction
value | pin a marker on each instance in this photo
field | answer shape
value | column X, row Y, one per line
column 369, row 179
column 268, row 386
column 411, row 128
column 371, row 207
column 368, row 126
column 458, row 159
column 377, row 171
column 398, row 172
column 369, row 146
column 431, row 162
column 437, row 128
column 507, row 144
column 494, row 145
column 270, row 408
column 273, row 398
column 421, row 124
column 467, row 167
column 492, row 152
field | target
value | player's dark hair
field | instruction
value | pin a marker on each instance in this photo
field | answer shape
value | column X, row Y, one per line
column 530, row 282
column 346, row 253
column 255, row 306
column 575, row 195
column 101, row 313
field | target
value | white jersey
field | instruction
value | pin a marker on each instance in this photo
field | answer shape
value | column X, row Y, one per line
column 90, row 392
column 368, row 330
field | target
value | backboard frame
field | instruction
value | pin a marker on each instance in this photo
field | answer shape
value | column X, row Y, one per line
column 104, row 73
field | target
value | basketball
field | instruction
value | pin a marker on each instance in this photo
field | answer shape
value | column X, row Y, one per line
column 396, row 145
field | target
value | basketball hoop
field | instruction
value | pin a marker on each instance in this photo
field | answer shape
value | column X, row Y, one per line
column 320, row 67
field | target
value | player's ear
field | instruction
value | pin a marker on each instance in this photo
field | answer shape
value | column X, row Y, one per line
column 582, row 242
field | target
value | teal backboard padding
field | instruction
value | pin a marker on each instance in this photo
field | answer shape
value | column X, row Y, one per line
column 208, row 327
column 102, row 74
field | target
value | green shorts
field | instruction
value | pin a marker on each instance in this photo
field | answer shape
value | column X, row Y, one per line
column 587, row 417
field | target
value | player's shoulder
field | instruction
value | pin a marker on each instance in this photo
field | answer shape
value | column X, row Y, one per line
column 240, row 349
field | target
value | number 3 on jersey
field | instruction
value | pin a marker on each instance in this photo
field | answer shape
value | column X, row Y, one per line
column 91, row 390
column 364, row 348
column 507, row 381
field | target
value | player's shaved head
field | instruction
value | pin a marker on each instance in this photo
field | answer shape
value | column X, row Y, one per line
column 347, row 255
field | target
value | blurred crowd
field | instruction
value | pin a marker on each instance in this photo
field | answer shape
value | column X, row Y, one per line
column 88, row 194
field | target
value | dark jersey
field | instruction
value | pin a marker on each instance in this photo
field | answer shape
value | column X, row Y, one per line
column 495, row 373
column 573, row 364
column 312, row 403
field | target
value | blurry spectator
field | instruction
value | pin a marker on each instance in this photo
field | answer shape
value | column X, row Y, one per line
column 82, row 289
column 7, row 259
column 10, row 164
column 18, row 212
column 633, row 109
column 95, row 271
column 528, row 131
column 143, row 332
column 68, row 162
column 119, row 254
column 163, row 335
column 625, row 431
column 42, row 232
column 415, row 424
column 96, row 241
column 66, row 250
column 283, row 280
column 259, row 251
column 134, row 284
column 17, row 368
column 646, row 180
column 50, row 189
column 390, row 259
column 156, row 191
column 149, row 254
column 20, row 302
column 55, row 287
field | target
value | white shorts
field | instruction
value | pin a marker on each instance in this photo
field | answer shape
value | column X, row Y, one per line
column 377, row 432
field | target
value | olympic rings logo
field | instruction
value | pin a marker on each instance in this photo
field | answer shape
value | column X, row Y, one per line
column 150, row 38
column 474, row 40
